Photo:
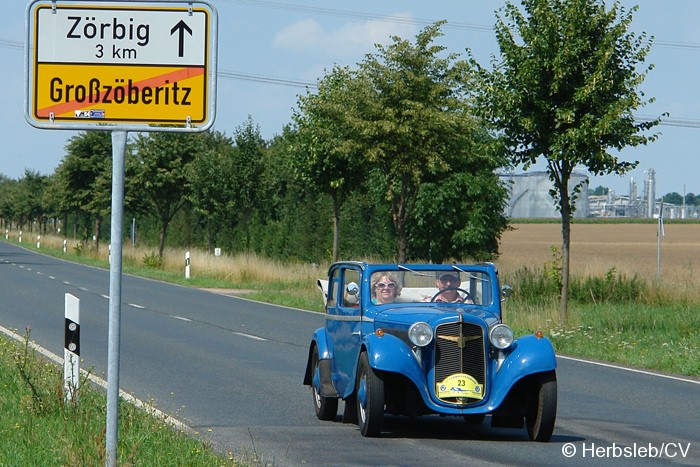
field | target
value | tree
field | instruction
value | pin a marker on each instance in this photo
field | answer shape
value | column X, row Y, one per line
column 28, row 202
column 160, row 171
column 600, row 190
column 325, row 155
column 248, row 159
column 413, row 117
column 84, row 178
column 565, row 89
column 9, row 195
column 673, row 198
column 211, row 177
column 461, row 213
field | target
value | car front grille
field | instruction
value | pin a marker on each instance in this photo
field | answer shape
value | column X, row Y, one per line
column 459, row 348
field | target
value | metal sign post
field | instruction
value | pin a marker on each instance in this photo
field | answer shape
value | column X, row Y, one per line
column 120, row 66
column 115, row 294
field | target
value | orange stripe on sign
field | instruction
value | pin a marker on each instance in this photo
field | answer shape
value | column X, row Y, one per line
column 155, row 82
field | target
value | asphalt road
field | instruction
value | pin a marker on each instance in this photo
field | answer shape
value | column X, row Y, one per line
column 232, row 370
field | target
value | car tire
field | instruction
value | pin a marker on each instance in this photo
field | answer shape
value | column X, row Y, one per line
column 326, row 408
column 370, row 398
column 542, row 410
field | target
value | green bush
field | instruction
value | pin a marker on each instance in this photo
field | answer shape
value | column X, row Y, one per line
column 152, row 260
column 613, row 288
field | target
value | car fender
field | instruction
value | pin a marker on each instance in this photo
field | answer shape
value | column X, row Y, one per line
column 319, row 340
column 389, row 353
column 529, row 356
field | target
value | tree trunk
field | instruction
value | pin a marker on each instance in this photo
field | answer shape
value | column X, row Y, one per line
column 161, row 241
column 402, row 245
column 98, row 226
column 566, row 242
column 209, row 236
column 336, row 230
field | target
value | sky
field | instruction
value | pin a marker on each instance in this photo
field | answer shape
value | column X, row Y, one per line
column 270, row 52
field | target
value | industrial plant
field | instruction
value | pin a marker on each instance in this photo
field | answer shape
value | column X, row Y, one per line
column 530, row 198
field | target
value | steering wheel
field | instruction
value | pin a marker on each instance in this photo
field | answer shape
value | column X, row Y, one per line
column 465, row 299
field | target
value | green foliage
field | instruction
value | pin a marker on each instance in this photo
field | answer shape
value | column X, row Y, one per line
column 415, row 120
column 565, row 89
column 661, row 337
column 673, row 198
column 613, row 288
column 544, row 285
column 326, row 155
column 152, row 260
column 598, row 191
column 160, row 173
column 459, row 217
column 40, row 426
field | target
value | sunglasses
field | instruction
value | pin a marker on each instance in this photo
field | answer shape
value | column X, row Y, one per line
column 385, row 285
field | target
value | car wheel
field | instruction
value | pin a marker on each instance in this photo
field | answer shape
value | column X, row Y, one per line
column 542, row 411
column 326, row 408
column 370, row 398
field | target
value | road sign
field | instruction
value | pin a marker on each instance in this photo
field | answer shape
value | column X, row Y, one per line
column 121, row 65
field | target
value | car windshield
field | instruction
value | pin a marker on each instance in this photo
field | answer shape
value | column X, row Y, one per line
column 425, row 286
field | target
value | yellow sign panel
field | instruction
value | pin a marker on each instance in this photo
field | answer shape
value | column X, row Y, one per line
column 154, row 94
column 123, row 64
column 459, row 385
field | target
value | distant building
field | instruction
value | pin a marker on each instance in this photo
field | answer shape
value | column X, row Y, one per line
column 530, row 198
column 644, row 206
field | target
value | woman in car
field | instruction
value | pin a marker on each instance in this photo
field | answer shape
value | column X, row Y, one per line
column 385, row 288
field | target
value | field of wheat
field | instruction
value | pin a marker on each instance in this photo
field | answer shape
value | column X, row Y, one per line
column 597, row 248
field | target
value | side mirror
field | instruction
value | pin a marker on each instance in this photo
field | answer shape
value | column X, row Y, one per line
column 352, row 294
column 352, row 289
column 506, row 292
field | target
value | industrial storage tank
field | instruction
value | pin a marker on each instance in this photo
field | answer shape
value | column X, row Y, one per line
column 530, row 198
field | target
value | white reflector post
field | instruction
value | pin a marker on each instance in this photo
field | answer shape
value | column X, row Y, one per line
column 187, row 264
column 71, row 352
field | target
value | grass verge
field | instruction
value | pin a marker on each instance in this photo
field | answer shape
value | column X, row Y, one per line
column 40, row 427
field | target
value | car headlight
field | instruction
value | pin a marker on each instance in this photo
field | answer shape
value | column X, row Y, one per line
column 501, row 336
column 421, row 334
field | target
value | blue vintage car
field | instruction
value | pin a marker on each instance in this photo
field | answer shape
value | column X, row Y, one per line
column 409, row 339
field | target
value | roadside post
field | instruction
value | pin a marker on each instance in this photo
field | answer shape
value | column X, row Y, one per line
column 120, row 66
column 71, row 350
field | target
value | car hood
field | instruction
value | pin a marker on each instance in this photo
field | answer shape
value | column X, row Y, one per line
column 405, row 316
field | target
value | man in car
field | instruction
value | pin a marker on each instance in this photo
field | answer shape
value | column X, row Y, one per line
column 448, row 282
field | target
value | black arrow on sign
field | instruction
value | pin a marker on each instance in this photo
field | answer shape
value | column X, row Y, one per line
column 181, row 27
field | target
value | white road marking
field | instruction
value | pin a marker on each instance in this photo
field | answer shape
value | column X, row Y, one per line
column 180, row 318
column 134, row 305
column 250, row 336
column 633, row 370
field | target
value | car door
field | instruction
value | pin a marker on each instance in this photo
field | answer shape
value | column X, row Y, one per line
column 343, row 323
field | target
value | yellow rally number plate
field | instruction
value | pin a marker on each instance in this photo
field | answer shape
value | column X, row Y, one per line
column 460, row 385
